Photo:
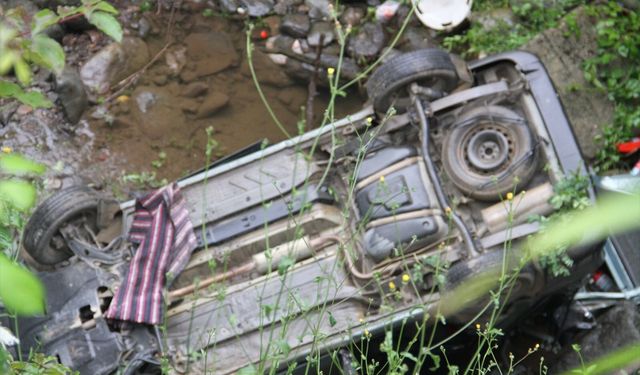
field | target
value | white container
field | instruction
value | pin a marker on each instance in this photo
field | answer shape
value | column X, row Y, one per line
column 442, row 14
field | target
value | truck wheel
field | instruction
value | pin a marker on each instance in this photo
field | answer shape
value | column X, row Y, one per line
column 71, row 207
column 388, row 86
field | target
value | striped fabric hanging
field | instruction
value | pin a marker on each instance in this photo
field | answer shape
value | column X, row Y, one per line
column 164, row 234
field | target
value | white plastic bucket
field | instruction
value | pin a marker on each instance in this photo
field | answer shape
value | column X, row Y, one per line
column 442, row 14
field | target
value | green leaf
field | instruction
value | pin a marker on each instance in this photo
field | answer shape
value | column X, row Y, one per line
column 42, row 20
column 107, row 24
column 48, row 53
column 4, row 360
column 284, row 347
column 286, row 263
column 34, row 99
column 20, row 194
column 6, row 61
column 18, row 165
column 8, row 89
column 20, row 291
column 23, row 71
column 332, row 320
column 106, row 7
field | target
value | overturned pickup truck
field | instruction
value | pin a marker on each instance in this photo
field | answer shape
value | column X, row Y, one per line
column 310, row 246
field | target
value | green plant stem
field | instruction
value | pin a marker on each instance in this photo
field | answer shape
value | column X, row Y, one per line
column 256, row 83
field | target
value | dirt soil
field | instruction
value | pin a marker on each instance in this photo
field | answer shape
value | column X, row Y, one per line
column 157, row 125
column 168, row 113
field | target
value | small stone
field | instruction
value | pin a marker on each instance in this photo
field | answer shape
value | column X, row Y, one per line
column 368, row 42
column 144, row 27
column 160, row 79
column 280, row 43
column 257, row 8
column 53, row 183
column 7, row 112
column 318, row 9
column 297, row 46
column 386, row 11
column 176, row 59
column 145, row 100
column 317, row 30
column 24, row 109
column 195, row 89
column 212, row 104
column 417, row 37
column 296, row 25
column 273, row 23
column 353, row 16
column 188, row 76
column 190, row 106
column 230, row 6
column 278, row 59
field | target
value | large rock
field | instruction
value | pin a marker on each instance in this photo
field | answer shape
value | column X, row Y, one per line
column 113, row 63
column 71, row 94
column 563, row 54
column 208, row 53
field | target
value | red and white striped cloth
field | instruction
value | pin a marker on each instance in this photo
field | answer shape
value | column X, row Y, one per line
column 164, row 234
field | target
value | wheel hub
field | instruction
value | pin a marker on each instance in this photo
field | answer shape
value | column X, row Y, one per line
column 487, row 150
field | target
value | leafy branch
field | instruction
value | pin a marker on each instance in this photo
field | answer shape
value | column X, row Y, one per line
column 24, row 42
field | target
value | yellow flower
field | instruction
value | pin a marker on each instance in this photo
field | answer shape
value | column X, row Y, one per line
column 361, row 320
column 392, row 285
column 509, row 196
column 7, row 149
column 478, row 326
column 330, row 71
column 537, row 347
column 406, row 278
column 447, row 210
column 367, row 334
column 369, row 121
column 382, row 179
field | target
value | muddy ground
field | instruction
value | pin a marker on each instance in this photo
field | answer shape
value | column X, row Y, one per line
column 153, row 127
